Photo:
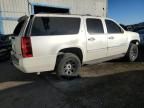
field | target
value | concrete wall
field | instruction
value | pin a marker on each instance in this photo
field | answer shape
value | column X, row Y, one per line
column 11, row 10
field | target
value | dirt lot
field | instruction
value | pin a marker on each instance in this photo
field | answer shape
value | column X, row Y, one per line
column 107, row 85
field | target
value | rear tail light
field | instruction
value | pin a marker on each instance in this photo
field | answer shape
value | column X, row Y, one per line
column 26, row 47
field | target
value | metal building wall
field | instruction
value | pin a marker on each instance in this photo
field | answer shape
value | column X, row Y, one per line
column 11, row 10
column 93, row 7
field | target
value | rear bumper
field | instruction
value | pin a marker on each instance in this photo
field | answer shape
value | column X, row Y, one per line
column 35, row 64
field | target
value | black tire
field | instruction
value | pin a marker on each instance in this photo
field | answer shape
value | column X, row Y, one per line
column 132, row 53
column 68, row 66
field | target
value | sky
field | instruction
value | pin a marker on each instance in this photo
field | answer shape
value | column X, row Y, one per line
column 126, row 11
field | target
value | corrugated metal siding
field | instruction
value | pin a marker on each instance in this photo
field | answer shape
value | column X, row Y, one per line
column 93, row 7
column 9, row 26
column 17, row 8
column 11, row 9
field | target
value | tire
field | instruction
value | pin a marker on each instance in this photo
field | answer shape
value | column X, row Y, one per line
column 132, row 53
column 68, row 66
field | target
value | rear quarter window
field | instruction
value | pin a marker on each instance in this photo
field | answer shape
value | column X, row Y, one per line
column 22, row 21
column 18, row 28
column 55, row 26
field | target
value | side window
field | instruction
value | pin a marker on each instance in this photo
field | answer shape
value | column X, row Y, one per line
column 55, row 26
column 112, row 27
column 94, row 26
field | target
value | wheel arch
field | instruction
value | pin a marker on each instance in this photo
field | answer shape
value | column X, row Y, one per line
column 128, row 57
column 135, row 41
column 75, row 50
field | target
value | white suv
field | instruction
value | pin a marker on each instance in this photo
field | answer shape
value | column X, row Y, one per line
column 62, row 43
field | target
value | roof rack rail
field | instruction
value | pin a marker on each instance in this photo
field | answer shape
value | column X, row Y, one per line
column 70, row 14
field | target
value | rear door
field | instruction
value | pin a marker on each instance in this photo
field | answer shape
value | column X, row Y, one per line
column 16, row 38
column 96, row 39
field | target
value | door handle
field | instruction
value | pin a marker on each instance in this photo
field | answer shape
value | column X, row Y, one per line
column 91, row 39
column 111, row 37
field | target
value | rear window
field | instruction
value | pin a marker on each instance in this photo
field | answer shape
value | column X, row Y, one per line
column 19, row 28
column 55, row 26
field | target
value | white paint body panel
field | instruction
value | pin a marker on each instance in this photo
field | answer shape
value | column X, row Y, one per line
column 117, row 45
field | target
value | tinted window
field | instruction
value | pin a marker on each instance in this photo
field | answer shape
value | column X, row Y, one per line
column 94, row 26
column 18, row 28
column 113, row 27
column 55, row 26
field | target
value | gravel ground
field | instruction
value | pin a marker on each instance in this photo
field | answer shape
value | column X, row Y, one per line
column 111, row 84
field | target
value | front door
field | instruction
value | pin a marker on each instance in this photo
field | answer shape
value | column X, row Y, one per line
column 117, row 40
